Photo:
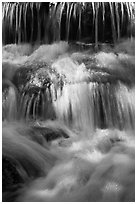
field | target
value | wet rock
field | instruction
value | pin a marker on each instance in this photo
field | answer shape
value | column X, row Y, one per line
column 11, row 180
column 50, row 134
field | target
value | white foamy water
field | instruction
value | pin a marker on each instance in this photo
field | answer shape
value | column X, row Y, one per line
column 68, row 123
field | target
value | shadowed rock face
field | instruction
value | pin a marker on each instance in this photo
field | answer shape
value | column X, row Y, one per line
column 11, row 180
column 10, row 175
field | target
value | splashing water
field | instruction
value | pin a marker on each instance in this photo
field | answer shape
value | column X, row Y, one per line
column 68, row 169
column 85, row 96
column 9, row 104
column 68, row 120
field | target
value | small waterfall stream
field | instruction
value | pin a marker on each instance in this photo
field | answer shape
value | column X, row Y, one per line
column 32, row 21
column 68, row 107
column 81, row 96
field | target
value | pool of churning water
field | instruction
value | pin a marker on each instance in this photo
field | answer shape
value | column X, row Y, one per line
column 68, row 122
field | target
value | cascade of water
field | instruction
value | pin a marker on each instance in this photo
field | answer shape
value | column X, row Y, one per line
column 9, row 104
column 67, row 22
column 60, row 17
column 69, row 13
column 122, row 13
column 68, row 115
column 17, row 20
column 131, row 17
column 113, row 22
column 35, row 104
column 80, row 20
column 93, row 10
column 15, row 15
column 32, row 27
column 74, row 11
column 19, row 29
column 118, row 22
column 88, row 106
column 35, row 107
column 12, row 13
column 74, row 106
column 125, row 101
column 70, row 123
column 96, row 26
column 25, row 21
column 38, row 22
column 24, row 104
column 103, row 11
column 29, row 106
column 54, row 21
column 74, row 89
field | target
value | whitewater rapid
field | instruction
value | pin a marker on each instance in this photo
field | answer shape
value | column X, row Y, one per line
column 68, row 123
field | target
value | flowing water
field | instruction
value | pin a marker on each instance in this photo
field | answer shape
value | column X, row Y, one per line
column 68, row 123
column 68, row 112
column 49, row 22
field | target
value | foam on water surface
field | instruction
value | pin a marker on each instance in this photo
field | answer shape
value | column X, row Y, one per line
column 68, row 123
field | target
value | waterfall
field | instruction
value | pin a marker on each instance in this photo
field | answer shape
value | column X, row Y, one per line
column 99, row 94
column 68, row 102
column 9, row 103
column 26, row 22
